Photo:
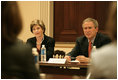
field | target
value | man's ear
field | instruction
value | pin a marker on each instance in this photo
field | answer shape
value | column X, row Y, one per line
column 96, row 29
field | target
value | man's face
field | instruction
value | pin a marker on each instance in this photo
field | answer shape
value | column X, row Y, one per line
column 89, row 30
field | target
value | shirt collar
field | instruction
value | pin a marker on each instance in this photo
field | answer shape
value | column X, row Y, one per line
column 92, row 40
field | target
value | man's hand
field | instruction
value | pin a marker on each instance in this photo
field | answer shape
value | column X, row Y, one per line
column 82, row 59
column 68, row 58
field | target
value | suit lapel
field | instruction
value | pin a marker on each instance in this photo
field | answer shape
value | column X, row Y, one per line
column 96, row 41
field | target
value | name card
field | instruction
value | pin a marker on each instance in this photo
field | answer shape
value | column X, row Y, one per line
column 58, row 61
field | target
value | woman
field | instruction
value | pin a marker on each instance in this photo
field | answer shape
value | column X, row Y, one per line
column 37, row 27
column 16, row 58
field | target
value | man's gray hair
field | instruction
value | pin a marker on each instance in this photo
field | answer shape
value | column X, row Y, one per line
column 95, row 22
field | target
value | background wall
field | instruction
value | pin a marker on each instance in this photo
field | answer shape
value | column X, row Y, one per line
column 31, row 10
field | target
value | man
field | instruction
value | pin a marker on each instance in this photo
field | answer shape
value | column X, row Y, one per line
column 84, row 44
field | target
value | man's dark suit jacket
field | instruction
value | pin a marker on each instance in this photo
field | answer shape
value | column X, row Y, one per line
column 81, row 47
column 49, row 44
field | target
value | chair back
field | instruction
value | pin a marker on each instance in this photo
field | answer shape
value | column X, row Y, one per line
column 59, row 54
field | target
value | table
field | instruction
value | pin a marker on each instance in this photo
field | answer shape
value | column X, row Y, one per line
column 63, row 71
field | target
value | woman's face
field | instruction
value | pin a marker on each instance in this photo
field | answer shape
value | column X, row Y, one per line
column 37, row 31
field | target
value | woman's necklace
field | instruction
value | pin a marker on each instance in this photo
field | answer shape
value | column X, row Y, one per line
column 38, row 43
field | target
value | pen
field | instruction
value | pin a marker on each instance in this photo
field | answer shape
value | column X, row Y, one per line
column 73, row 57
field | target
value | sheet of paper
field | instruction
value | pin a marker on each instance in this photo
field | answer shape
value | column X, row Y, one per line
column 74, row 61
column 55, row 60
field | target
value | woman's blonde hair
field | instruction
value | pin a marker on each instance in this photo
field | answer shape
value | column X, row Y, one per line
column 37, row 22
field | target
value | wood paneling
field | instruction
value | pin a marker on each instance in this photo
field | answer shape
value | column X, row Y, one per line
column 68, row 17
